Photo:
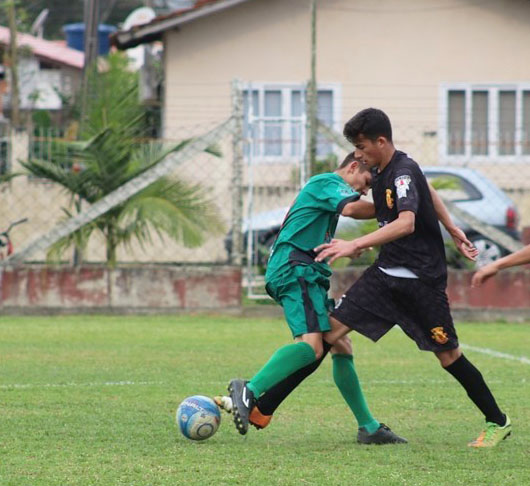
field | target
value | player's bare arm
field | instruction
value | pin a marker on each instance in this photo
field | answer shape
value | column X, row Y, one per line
column 402, row 226
column 518, row 258
column 359, row 210
column 464, row 246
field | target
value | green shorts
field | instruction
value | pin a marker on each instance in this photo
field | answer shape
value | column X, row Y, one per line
column 302, row 291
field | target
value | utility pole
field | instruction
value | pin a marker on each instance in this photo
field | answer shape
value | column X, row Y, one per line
column 13, row 59
column 311, row 102
column 91, row 20
column 90, row 68
column 237, row 174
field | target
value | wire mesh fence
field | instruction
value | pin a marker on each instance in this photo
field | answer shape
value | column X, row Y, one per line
column 246, row 171
column 184, row 199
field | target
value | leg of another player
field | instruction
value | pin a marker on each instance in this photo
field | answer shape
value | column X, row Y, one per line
column 285, row 361
column 345, row 377
column 270, row 400
column 261, row 414
column 305, row 350
column 498, row 425
column 347, row 381
column 338, row 331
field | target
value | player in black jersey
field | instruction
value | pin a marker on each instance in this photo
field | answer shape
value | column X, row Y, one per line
column 407, row 283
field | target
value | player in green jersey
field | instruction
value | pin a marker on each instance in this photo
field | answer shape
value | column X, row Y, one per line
column 300, row 285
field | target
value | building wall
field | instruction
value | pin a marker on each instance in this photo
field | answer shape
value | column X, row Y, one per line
column 392, row 54
column 40, row 88
column 389, row 54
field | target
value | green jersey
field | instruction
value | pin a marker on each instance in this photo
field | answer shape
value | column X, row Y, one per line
column 313, row 217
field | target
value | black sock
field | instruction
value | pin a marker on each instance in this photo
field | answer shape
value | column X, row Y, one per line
column 473, row 382
column 273, row 397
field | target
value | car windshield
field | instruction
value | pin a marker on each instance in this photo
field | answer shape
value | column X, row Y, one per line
column 452, row 187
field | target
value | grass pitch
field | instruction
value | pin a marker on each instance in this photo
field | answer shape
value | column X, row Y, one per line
column 91, row 400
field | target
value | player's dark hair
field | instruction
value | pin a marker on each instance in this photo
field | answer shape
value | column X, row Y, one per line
column 351, row 158
column 371, row 123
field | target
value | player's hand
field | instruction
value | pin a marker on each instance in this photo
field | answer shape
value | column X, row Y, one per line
column 337, row 249
column 484, row 274
column 464, row 246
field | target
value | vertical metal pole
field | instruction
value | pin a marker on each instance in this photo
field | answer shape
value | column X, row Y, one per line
column 13, row 59
column 237, row 175
column 91, row 19
column 304, row 163
column 252, row 139
column 312, row 98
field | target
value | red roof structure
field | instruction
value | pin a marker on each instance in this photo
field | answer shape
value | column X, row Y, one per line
column 45, row 49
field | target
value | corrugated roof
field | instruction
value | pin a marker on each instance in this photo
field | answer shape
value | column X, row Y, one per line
column 49, row 50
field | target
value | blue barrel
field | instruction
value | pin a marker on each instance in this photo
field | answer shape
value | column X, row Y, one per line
column 75, row 36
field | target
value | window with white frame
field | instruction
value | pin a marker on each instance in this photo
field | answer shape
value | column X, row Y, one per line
column 485, row 121
column 275, row 118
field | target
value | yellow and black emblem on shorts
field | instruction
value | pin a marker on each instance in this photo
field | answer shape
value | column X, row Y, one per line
column 389, row 200
column 439, row 335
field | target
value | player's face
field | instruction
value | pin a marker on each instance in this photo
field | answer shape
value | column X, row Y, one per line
column 370, row 152
column 359, row 178
column 362, row 181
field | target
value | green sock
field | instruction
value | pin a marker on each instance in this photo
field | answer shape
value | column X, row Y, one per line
column 283, row 362
column 348, row 383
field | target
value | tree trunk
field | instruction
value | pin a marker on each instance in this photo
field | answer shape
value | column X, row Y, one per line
column 111, row 245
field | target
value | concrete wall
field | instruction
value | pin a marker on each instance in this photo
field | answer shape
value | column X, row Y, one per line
column 37, row 289
column 41, row 289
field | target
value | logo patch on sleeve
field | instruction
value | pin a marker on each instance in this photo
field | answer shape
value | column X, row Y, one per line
column 389, row 199
column 402, row 184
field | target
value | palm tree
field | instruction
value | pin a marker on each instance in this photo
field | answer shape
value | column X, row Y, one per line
column 109, row 154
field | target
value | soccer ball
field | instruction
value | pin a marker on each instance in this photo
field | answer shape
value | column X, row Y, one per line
column 198, row 417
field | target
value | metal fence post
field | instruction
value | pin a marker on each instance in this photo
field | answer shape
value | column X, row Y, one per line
column 236, row 255
column 19, row 141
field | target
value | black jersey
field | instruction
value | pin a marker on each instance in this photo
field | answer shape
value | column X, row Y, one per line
column 401, row 186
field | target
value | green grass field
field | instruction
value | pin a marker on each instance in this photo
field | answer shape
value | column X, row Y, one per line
column 91, row 400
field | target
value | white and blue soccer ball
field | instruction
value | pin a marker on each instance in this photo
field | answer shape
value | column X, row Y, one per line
column 198, row 417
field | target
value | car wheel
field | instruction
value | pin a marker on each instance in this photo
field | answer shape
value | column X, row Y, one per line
column 488, row 251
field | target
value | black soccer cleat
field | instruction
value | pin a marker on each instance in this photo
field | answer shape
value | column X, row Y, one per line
column 242, row 403
column 383, row 435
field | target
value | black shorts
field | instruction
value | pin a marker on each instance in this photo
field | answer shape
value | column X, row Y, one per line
column 377, row 301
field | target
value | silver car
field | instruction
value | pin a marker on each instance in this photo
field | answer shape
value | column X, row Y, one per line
column 474, row 193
